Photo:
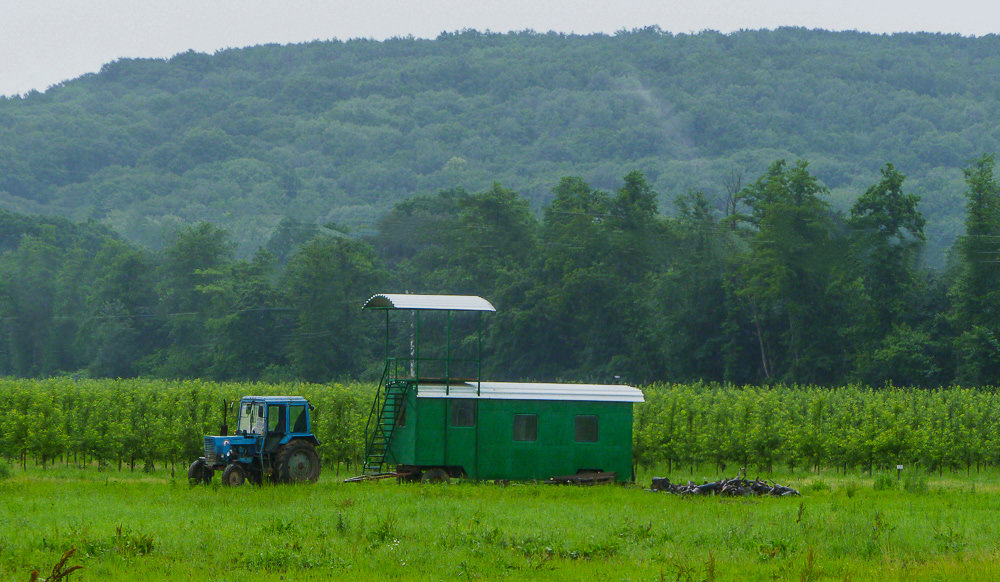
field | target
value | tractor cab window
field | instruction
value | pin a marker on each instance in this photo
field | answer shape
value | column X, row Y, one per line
column 275, row 418
column 251, row 418
column 297, row 418
column 258, row 419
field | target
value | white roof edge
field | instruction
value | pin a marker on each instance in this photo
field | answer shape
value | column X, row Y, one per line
column 443, row 302
column 534, row 391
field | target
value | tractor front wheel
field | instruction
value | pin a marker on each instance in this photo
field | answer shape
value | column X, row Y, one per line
column 199, row 472
column 234, row 475
column 298, row 462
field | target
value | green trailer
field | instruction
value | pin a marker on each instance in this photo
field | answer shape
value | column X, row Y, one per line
column 434, row 418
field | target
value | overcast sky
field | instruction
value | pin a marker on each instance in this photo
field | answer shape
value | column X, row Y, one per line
column 44, row 42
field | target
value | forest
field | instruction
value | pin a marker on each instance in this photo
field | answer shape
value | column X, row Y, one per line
column 787, row 206
column 778, row 288
column 334, row 132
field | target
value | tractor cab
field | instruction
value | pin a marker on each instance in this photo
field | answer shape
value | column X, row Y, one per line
column 287, row 416
column 273, row 440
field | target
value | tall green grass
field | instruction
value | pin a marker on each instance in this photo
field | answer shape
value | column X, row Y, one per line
column 149, row 526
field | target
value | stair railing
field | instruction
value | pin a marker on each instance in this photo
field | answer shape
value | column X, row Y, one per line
column 374, row 424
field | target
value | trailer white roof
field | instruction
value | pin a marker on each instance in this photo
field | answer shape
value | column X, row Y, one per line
column 533, row 391
column 443, row 302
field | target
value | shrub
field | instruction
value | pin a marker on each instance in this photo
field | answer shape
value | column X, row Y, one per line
column 818, row 485
column 884, row 482
column 915, row 481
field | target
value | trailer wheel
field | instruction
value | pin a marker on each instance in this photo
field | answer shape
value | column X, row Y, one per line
column 298, row 462
column 435, row 476
column 413, row 477
column 234, row 475
column 199, row 472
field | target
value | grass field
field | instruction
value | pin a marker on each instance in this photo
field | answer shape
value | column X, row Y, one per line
column 149, row 526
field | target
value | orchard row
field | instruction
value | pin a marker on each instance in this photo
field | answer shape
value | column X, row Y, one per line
column 129, row 424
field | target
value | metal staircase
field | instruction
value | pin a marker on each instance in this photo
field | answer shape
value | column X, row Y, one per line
column 382, row 421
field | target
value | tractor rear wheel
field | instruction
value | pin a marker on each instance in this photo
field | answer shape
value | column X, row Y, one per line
column 298, row 462
column 234, row 475
column 199, row 472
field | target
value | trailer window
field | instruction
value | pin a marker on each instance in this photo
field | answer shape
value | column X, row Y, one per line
column 586, row 428
column 525, row 427
column 463, row 412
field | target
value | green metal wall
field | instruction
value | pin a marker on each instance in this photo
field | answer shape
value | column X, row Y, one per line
column 488, row 449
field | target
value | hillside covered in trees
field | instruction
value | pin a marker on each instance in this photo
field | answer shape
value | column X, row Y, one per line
column 337, row 133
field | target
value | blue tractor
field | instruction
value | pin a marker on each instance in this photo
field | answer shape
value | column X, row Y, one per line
column 273, row 441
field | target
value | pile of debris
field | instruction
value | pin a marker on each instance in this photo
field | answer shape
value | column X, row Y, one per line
column 737, row 486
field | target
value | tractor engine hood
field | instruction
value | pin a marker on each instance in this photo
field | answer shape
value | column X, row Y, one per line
column 223, row 449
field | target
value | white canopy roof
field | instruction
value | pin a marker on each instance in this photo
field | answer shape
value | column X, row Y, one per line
column 443, row 302
column 534, row 391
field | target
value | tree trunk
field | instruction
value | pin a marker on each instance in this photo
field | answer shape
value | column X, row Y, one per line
column 760, row 341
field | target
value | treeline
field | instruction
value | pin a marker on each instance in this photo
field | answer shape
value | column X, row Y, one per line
column 777, row 288
column 143, row 424
column 90, row 304
column 342, row 131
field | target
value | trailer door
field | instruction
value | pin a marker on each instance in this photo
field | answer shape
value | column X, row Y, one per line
column 462, row 434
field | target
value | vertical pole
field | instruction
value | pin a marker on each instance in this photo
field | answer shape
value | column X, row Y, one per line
column 416, row 352
column 411, row 361
column 447, row 353
column 387, row 344
column 475, row 450
column 479, row 353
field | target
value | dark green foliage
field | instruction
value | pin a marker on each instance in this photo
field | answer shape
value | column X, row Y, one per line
column 325, row 284
column 248, row 323
column 779, row 288
column 688, row 304
column 889, row 232
column 193, row 263
column 791, row 279
column 976, row 290
column 120, row 326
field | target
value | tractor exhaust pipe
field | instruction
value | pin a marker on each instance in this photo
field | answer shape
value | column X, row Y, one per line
column 224, row 427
